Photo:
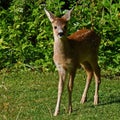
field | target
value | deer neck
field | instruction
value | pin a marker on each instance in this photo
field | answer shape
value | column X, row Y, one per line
column 61, row 46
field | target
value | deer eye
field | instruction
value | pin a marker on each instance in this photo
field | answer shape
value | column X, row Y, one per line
column 65, row 27
column 55, row 27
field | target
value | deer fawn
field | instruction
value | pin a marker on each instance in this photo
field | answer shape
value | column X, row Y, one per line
column 70, row 52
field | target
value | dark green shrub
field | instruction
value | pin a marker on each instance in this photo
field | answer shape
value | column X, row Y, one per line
column 26, row 38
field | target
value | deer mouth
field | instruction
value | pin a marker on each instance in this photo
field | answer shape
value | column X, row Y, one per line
column 61, row 35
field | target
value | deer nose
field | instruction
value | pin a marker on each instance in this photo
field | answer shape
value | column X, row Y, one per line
column 60, row 34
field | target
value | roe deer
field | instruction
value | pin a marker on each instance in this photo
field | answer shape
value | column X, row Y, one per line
column 70, row 52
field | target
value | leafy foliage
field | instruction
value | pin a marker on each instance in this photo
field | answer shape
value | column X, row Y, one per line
column 26, row 38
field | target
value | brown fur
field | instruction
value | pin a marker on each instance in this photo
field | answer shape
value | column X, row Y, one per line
column 80, row 48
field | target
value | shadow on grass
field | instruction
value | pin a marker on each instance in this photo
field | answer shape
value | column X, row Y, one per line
column 110, row 100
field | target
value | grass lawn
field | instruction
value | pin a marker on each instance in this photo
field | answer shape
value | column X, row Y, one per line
column 27, row 95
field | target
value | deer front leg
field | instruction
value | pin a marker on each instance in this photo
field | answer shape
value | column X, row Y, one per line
column 62, row 75
column 70, row 88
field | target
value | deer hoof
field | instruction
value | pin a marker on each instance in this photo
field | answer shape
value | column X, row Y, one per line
column 83, row 100
column 55, row 113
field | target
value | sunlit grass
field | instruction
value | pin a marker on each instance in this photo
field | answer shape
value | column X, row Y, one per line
column 27, row 95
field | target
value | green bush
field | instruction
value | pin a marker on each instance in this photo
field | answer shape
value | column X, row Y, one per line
column 26, row 38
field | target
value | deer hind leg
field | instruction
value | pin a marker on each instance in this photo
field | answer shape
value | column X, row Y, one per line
column 96, row 70
column 62, row 76
column 70, row 88
column 87, row 67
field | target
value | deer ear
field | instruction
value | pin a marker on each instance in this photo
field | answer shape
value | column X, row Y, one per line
column 49, row 15
column 67, row 15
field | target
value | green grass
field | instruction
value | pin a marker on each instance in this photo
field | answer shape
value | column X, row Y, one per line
column 27, row 95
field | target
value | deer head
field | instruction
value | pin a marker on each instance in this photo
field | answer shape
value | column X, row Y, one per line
column 59, row 24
